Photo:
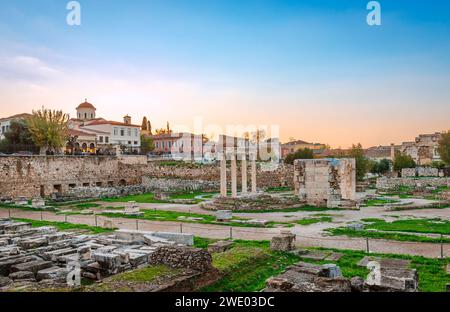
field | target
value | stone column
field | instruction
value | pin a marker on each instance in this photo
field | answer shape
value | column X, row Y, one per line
column 254, row 174
column 233, row 175
column 223, row 175
column 392, row 151
column 244, row 174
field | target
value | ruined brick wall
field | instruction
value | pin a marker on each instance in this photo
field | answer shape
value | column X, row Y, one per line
column 385, row 183
column 33, row 176
column 280, row 175
column 182, row 257
column 43, row 175
column 325, row 182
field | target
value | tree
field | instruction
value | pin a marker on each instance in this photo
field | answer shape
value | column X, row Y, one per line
column 402, row 161
column 48, row 128
column 379, row 167
column 144, row 124
column 146, row 144
column 71, row 143
column 444, row 147
column 299, row 154
column 18, row 133
column 149, row 127
column 362, row 162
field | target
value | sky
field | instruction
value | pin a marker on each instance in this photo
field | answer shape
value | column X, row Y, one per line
column 315, row 68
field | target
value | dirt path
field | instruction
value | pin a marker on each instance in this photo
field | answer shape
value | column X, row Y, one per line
column 306, row 236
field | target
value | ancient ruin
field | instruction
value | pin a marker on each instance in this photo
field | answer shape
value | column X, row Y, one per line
column 326, row 182
column 31, row 255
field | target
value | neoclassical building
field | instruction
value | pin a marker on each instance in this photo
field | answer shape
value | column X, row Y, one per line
column 98, row 134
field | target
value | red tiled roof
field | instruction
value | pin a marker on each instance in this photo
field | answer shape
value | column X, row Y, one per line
column 86, row 105
column 108, row 122
column 74, row 132
column 18, row 116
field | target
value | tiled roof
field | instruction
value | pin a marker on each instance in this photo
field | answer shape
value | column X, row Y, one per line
column 74, row 132
column 18, row 116
column 86, row 105
column 108, row 122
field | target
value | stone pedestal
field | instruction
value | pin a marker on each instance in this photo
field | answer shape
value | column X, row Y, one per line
column 283, row 242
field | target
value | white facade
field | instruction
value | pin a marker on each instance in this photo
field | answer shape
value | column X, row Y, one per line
column 115, row 134
column 4, row 127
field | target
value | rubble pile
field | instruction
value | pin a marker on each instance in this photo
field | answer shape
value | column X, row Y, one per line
column 45, row 254
column 394, row 276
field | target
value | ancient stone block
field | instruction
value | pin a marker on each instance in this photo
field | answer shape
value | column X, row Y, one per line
column 325, row 181
column 219, row 246
column 33, row 266
column 53, row 273
column 283, row 242
column 107, row 260
column 21, row 275
column 224, row 215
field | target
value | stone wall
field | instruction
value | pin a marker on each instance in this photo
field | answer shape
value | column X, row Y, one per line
column 281, row 175
column 104, row 192
column 421, row 172
column 175, row 185
column 33, row 176
column 325, row 182
column 182, row 257
column 385, row 183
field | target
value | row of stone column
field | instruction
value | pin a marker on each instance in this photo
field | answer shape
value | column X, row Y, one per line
column 223, row 175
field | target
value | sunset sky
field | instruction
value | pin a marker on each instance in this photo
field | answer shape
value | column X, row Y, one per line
column 313, row 67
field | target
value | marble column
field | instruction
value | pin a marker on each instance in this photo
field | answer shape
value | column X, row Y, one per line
column 223, row 175
column 254, row 174
column 233, row 175
column 244, row 174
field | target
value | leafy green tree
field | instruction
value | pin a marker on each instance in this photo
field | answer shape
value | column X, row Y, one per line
column 362, row 163
column 299, row 154
column 48, row 128
column 144, row 124
column 444, row 147
column 402, row 161
column 146, row 144
column 379, row 167
column 18, row 133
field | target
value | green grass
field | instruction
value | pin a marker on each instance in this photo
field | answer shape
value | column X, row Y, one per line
column 432, row 206
column 148, row 198
column 308, row 221
column 248, row 271
column 63, row 226
column 294, row 209
column 12, row 206
column 146, row 274
column 247, row 266
column 435, row 226
column 86, row 205
column 379, row 202
column 203, row 242
column 384, row 235
column 166, row 215
column 279, row 189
